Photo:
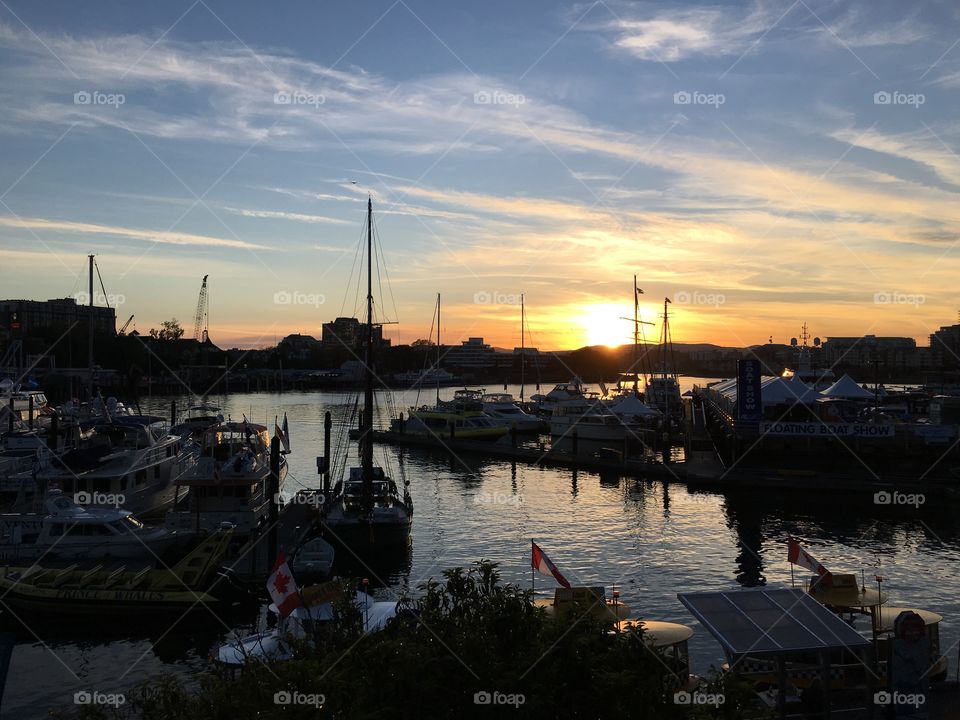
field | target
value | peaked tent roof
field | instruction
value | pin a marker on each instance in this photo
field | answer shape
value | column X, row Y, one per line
column 846, row 387
column 632, row 405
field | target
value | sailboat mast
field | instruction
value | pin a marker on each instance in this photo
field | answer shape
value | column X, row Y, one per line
column 523, row 345
column 636, row 332
column 90, row 333
column 367, row 433
column 437, row 373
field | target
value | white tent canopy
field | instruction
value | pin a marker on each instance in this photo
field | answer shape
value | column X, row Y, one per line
column 774, row 390
column 847, row 388
column 632, row 405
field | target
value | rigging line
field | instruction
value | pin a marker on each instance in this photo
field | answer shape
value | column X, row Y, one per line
column 102, row 288
column 356, row 252
column 386, row 272
column 427, row 358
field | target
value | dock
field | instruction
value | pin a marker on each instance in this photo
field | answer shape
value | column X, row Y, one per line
column 702, row 468
column 252, row 562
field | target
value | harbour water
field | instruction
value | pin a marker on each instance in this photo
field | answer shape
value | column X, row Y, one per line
column 649, row 538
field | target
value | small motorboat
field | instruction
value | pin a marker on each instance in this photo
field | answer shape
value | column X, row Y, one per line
column 313, row 561
column 278, row 643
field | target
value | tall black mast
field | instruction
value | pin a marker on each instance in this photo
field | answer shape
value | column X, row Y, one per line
column 367, row 429
column 438, row 350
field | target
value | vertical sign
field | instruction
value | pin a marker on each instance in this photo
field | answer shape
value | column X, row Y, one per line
column 749, row 404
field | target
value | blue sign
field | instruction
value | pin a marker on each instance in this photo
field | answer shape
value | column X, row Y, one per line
column 749, row 402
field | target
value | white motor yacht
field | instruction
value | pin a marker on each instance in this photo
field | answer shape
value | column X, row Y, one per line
column 503, row 408
column 229, row 483
column 127, row 460
column 67, row 531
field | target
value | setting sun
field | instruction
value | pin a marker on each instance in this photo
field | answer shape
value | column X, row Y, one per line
column 606, row 325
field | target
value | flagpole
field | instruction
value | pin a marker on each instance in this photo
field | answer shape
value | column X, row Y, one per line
column 533, row 571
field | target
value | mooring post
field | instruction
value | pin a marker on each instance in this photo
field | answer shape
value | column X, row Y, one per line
column 30, row 411
column 173, row 413
column 274, row 492
column 53, row 434
column 327, row 426
column 10, row 419
column 573, row 441
column 513, row 436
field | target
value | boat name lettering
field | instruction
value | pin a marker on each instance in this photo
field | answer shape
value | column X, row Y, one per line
column 817, row 429
column 117, row 595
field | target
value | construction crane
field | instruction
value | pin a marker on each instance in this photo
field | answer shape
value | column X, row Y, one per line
column 123, row 330
column 201, row 319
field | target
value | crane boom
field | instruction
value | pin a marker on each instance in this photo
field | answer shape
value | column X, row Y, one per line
column 200, row 318
column 123, row 330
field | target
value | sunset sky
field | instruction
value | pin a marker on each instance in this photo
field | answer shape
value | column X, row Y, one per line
column 763, row 164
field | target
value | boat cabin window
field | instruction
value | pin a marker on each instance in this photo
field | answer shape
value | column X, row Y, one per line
column 88, row 530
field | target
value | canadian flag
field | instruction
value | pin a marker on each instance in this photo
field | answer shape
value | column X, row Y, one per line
column 544, row 565
column 798, row 556
column 282, row 588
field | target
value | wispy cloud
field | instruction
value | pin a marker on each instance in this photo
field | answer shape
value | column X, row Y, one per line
column 42, row 225
column 281, row 215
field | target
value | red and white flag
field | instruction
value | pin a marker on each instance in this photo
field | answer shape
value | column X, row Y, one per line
column 798, row 556
column 544, row 565
column 283, row 588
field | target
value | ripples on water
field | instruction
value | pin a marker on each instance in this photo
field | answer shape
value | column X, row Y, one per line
column 653, row 540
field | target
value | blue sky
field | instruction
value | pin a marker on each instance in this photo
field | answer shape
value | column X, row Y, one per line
column 763, row 164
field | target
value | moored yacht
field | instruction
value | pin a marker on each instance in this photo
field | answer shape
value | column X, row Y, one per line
column 67, row 531
column 230, row 481
column 561, row 393
column 127, row 460
column 589, row 419
column 198, row 419
column 502, row 407
column 463, row 417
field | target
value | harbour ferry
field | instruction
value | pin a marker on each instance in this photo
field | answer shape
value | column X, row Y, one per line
column 463, row 418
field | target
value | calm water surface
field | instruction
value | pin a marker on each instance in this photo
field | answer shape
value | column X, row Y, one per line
column 651, row 539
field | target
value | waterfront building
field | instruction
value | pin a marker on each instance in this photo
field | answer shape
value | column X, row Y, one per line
column 29, row 317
